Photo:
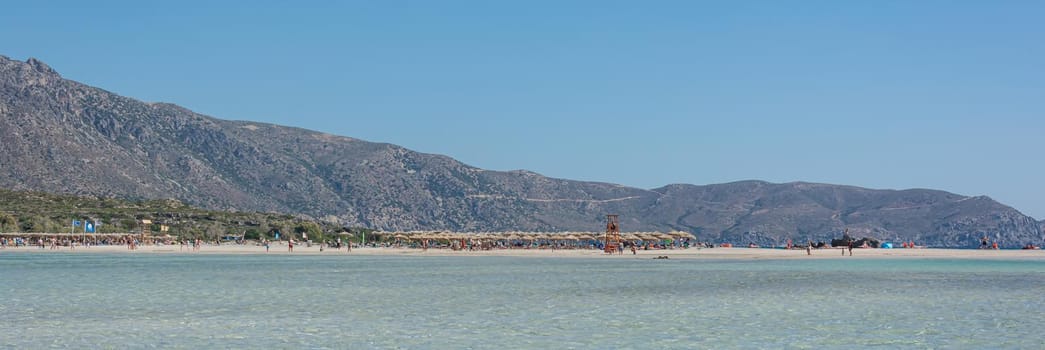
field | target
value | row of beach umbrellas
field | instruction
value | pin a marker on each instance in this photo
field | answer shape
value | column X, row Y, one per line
column 532, row 236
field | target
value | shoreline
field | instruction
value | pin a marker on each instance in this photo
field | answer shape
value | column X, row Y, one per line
column 690, row 253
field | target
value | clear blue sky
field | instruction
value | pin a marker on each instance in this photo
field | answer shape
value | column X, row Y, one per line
column 883, row 94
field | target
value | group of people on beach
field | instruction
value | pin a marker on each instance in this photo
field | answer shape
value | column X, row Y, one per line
column 55, row 243
column 820, row 245
column 192, row 244
column 985, row 243
column 290, row 245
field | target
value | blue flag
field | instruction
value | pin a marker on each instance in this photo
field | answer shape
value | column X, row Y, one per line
column 88, row 227
column 76, row 222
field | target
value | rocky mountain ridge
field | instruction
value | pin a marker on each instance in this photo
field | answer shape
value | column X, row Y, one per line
column 60, row 136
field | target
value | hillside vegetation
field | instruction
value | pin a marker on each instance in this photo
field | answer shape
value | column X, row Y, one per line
column 36, row 212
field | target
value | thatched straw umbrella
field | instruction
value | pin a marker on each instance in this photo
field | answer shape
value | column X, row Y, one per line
column 683, row 234
column 573, row 239
column 585, row 237
column 647, row 236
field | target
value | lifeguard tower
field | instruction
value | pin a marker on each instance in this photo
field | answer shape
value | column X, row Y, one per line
column 612, row 235
column 146, row 227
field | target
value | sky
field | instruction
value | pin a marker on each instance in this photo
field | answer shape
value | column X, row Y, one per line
column 946, row 95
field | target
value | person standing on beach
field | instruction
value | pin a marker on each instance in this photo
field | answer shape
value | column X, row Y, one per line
column 809, row 248
column 850, row 248
column 290, row 245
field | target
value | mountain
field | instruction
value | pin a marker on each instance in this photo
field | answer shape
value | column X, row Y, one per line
column 60, row 136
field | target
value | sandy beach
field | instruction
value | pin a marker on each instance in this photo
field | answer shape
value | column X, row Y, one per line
column 691, row 253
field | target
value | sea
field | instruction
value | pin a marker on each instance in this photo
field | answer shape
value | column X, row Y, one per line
column 144, row 301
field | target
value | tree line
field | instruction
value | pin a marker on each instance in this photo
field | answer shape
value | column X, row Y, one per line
column 36, row 212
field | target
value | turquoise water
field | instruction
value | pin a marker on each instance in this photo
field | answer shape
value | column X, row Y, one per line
column 301, row 302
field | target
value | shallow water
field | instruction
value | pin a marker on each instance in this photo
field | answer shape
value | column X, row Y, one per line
column 258, row 301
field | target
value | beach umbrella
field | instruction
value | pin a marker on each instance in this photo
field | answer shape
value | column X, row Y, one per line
column 647, row 236
column 683, row 234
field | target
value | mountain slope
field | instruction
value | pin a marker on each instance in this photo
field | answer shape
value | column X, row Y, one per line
column 61, row 136
column 757, row 211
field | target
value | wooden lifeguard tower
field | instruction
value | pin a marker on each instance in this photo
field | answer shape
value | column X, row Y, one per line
column 612, row 234
column 146, row 227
